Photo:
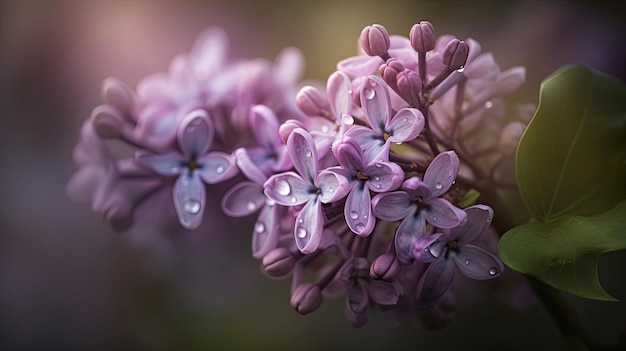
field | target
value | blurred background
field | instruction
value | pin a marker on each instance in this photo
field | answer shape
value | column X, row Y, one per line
column 69, row 282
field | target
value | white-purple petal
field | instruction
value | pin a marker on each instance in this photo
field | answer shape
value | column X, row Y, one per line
column 384, row 176
column 195, row 133
column 405, row 125
column 382, row 292
column 338, row 90
column 243, row 199
column 393, row 206
column 303, row 154
column 264, row 126
column 266, row 232
column 479, row 218
column 309, row 226
column 442, row 214
column 376, row 103
column 409, row 231
column 169, row 164
column 216, row 166
column 477, row 263
column 360, row 65
column 189, row 200
column 441, row 172
column 248, row 167
column 428, row 248
column 288, row 189
column 332, row 186
column 358, row 211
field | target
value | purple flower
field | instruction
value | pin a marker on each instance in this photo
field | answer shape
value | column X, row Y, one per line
column 192, row 167
column 363, row 177
column 418, row 202
column 384, row 127
column 308, row 187
column 455, row 247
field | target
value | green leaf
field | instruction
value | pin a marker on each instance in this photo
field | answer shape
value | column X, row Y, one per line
column 571, row 159
column 564, row 253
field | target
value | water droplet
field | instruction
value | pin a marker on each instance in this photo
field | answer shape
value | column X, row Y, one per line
column 220, row 169
column 377, row 178
column 488, row 104
column 354, row 215
column 347, row 119
column 364, row 216
column 300, row 220
column 325, row 129
column 175, row 170
column 369, row 93
column 308, row 153
column 460, row 70
column 438, row 186
column 360, row 227
column 282, row 187
column 301, row 233
column 435, row 218
column 467, row 261
column 493, row 271
column 377, row 186
column 399, row 143
column 251, row 205
column 331, row 189
column 488, row 219
column 293, row 200
column 405, row 120
column 259, row 227
column 449, row 174
column 270, row 202
column 191, row 206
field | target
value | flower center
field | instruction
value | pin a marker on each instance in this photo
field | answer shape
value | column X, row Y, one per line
column 386, row 136
column 362, row 176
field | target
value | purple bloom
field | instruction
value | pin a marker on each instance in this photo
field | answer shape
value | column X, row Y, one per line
column 455, row 247
column 308, row 187
column 418, row 202
column 384, row 127
column 191, row 167
column 363, row 177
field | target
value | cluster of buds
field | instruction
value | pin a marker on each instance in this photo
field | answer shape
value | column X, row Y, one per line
column 365, row 184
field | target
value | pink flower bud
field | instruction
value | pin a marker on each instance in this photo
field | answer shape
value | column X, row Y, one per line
column 311, row 101
column 455, row 54
column 375, row 40
column 278, row 262
column 114, row 92
column 422, row 37
column 385, row 267
column 409, row 85
column 107, row 121
column 390, row 69
column 306, row 298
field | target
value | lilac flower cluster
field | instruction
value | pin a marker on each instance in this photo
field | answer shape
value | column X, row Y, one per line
column 366, row 184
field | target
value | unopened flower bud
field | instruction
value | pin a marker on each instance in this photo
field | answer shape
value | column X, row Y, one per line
column 107, row 121
column 422, row 37
column 287, row 127
column 455, row 54
column 385, row 267
column 375, row 40
column 119, row 214
column 409, row 86
column 278, row 262
column 306, row 298
column 311, row 101
column 390, row 69
column 509, row 138
column 114, row 92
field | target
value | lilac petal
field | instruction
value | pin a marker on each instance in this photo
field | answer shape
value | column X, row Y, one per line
column 409, row 231
column 478, row 220
column 338, row 90
column 332, row 186
column 357, row 299
column 285, row 129
column 288, row 66
column 264, row 125
column 376, row 102
column 309, row 226
column 361, row 65
column 208, row 52
column 441, row 173
column 358, row 211
column 156, row 126
column 169, row 164
column 392, row 206
column 428, row 248
column 266, row 231
column 442, row 214
column 365, row 137
column 434, row 283
column 84, row 182
column 303, row 154
column 216, row 167
column 383, row 293
column 243, row 199
column 288, row 189
column 349, row 155
column 189, row 200
column 405, row 125
column 195, row 133
column 477, row 263
column 416, row 189
column 384, row 176
column 248, row 167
